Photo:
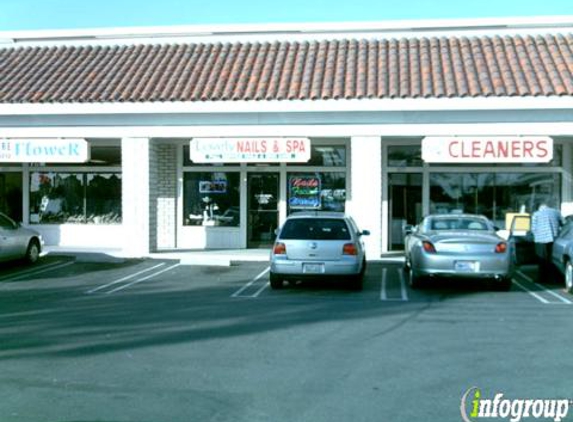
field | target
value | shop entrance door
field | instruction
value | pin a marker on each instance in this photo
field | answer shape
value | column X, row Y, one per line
column 262, row 208
column 405, row 205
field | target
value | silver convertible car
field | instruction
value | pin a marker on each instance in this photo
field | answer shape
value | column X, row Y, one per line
column 17, row 242
column 457, row 245
column 318, row 244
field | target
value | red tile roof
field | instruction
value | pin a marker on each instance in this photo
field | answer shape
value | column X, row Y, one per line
column 453, row 67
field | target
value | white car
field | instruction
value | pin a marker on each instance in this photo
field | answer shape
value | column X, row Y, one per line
column 17, row 242
column 321, row 245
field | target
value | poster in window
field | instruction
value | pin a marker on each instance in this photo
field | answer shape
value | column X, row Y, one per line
column 212, row 186
column 304, row 192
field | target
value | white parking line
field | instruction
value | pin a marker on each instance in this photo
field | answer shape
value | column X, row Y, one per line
column 125, row 278
column 552, row 293
column 541, row 299
column 250, row 283
column 403, row 286
column 403, row 291
column 34, row 271
column 383, row 285
column 125, row 286
column 258, row 292
column 535, row 295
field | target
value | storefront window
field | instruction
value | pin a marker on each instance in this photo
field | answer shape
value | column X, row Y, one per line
column 405, row 156
column 316, row 191
column 326, row 156
column 103, row 198
column 11, row 195
column 493, row 195
column 211, row 199
column 64, row 197
column 105, row 156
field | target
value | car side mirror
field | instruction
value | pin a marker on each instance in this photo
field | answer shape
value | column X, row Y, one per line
column 408, row 229
column 364, row 233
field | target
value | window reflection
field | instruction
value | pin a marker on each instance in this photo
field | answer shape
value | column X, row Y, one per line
column 405, row 156
column 319, row 191
column 326, row 156
column 492, row 195
column 11, row 195
column 211, row 199
column 62, row 197
column 405, row 205
column 103, row 198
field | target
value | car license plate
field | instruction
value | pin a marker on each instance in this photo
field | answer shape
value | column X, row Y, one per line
column 466, row 266
column 312, row 268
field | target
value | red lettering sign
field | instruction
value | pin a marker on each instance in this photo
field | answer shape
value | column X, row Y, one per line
column 487, row 150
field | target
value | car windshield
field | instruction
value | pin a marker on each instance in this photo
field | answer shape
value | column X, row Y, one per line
column 315, row 229
column 456, row 223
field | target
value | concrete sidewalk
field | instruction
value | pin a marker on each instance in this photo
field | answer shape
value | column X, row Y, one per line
column 219, row 257
column 186, row 257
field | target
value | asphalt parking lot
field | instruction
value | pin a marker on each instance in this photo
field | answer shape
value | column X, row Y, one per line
column 153, row 340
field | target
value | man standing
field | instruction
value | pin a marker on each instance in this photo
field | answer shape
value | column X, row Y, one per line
column 545, row 224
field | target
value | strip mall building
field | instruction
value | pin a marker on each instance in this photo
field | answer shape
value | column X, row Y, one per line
column 208, row 137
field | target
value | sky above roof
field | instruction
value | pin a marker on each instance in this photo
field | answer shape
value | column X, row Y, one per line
column 72, row 14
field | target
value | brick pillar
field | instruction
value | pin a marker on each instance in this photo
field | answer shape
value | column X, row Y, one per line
column 135, row 162
column 366, row 190
column 164, row 194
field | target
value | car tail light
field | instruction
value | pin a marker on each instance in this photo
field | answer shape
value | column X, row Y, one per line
column 428, row 247
column 349, row 249
column 501, row 247
column 279, row 249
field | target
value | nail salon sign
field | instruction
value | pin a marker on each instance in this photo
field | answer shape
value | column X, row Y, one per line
column 250, row 150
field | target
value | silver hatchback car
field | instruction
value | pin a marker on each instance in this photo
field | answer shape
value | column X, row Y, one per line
column 17, row 242
column 318, row 245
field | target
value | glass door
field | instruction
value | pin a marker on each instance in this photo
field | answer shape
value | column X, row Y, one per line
column 405, row 205
column 262, row 208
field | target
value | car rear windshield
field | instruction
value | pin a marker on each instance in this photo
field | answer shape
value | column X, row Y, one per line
column 315, row 229
column 457, row 224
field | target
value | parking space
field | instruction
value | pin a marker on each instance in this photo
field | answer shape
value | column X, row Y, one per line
column 384, row 282
column 141, row 328
column 548, row 294
column 387, row 282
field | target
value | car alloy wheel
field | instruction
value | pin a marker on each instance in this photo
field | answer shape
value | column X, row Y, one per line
column 33, row 252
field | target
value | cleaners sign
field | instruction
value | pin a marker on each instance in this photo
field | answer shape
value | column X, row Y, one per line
column 251, row 150
column 48, row 150
column 503, row 149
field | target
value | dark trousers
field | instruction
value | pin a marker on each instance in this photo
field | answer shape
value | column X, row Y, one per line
column 546, row 271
